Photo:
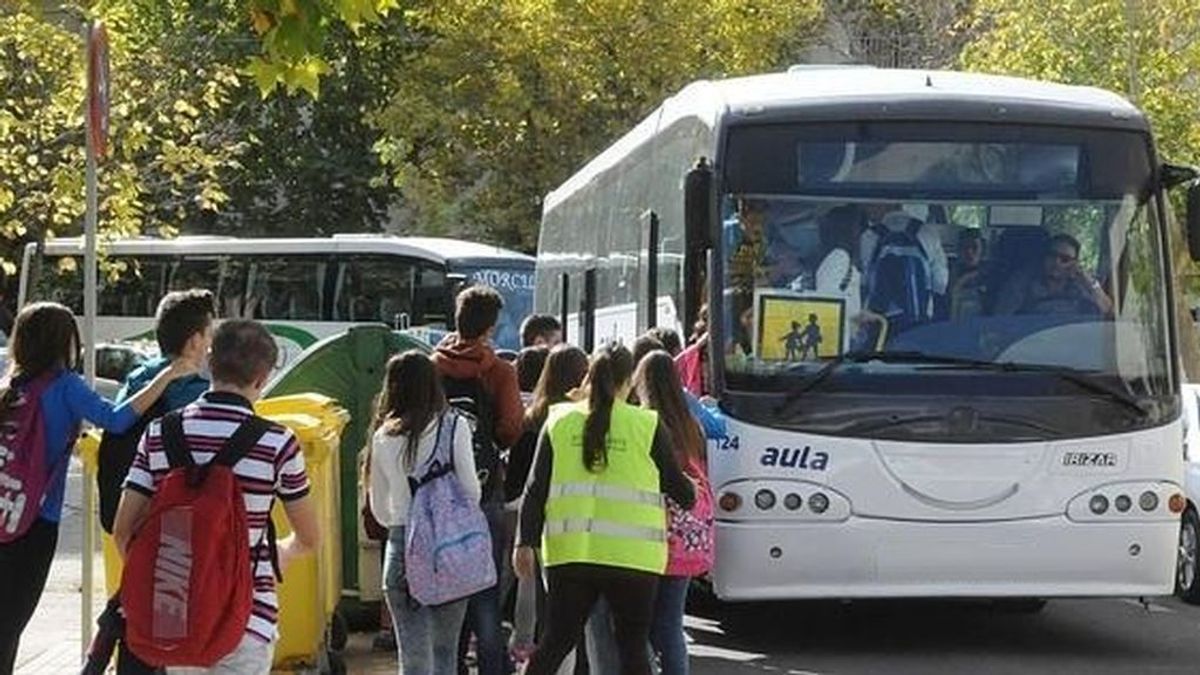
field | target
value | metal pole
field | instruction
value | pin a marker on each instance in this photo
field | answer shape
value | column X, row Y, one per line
column 89, row 372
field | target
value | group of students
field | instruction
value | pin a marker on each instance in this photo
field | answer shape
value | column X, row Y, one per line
column 601, row 493
column 195, row 403
column 599, row 512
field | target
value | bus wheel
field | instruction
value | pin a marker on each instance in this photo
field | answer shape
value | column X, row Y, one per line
column 1187, row 572
column 1020, row 605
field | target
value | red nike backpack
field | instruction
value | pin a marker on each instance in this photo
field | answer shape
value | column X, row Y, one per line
column 187, row 588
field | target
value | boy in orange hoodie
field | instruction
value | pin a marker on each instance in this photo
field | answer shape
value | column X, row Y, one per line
column 466, row 360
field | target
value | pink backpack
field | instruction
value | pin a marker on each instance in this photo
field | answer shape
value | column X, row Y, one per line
column 24, row 477
column 690, row 534
column 448, row 551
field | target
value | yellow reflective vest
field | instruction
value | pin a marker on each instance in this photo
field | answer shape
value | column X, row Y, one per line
column 615, row 516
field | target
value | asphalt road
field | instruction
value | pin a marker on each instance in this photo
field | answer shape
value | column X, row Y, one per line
column 924, row 637
column 889, row 637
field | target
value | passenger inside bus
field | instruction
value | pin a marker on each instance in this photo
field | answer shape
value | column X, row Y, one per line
column 912, row 284
column 1057, row 286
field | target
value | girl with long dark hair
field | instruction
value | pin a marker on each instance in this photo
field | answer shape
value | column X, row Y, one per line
column 601, row 469
column 43, row 353
column 690, row 532
column 408, row 424
column 564, row 370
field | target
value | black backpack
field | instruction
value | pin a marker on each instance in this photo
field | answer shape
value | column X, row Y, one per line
column 114, row 459
column 470, row 398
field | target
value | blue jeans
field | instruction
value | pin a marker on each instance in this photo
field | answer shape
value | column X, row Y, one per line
column 426, row 637
column 483, row 608
column 666, row 633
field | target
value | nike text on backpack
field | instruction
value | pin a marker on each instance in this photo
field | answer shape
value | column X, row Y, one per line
column 468, row 396
column 448, row 547
column 187, row 587
column 899, row 276
column 24, row 476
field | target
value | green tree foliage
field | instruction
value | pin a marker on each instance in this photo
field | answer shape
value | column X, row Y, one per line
column 1149, row 51
column 500, row 100
column 167, row 146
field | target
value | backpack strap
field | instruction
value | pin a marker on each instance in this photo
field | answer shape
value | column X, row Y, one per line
column 242, row 441
column 175, row 442
column 437, row 467
column 914, row 231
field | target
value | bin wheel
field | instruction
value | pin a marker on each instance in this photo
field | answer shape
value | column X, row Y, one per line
column 339, row 632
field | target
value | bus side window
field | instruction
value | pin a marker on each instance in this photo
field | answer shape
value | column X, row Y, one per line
column 375, row 290
column 290, row 289
column 131, row 286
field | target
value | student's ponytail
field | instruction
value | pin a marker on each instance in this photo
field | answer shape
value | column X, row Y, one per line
column 611, row 368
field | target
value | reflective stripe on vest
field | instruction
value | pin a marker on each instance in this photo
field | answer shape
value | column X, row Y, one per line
column 615, row 493
column 594, row 526
column 614, row 516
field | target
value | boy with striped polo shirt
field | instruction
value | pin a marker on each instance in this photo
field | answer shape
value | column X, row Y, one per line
column 243, row 354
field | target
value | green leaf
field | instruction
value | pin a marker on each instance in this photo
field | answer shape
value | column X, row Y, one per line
column 267, row 75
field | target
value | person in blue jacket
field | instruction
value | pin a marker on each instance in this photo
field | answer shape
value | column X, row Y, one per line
column 183, row 328
column 45, row 341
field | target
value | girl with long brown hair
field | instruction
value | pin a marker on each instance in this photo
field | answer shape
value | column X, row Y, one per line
column 43, row 387
column 690, row 531
column 408, row 425
column 600, row 470
column 563, row 372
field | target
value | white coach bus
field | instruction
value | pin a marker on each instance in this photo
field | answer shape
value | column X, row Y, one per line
column 941, row 322
column 303, row 289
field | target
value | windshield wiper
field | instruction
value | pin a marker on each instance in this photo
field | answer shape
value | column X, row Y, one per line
column 1081, row 379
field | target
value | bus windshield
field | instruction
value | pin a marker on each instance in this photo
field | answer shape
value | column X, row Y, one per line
column 904, row 252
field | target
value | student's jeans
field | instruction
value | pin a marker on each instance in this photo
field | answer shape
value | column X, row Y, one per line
column 426, row 637
column 574, row 589
column 24, row 566
column 530, row 592
column 666, row 633
column 483, row 608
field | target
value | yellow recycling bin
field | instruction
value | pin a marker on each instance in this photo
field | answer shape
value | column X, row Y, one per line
column 309, row 631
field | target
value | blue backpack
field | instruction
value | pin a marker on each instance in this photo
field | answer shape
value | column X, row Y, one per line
column 899, row 278
column 448, row 551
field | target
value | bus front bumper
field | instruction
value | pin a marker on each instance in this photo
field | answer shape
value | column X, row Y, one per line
column 871, row 558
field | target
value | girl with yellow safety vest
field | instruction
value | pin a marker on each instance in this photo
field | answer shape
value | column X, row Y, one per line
column 595, row 500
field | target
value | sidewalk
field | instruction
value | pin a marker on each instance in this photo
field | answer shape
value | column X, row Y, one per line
column 51, row 643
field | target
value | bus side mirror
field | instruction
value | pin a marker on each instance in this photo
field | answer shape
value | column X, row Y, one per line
column 1175, row 175
column 1192, row 221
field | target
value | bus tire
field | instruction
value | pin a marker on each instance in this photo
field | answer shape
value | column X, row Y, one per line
column 1187, row 563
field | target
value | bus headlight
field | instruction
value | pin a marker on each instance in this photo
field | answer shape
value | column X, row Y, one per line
column 792, row 501
column 1115, row 502
column 764, row 499
column 1148, row 501
column 818, row 503
column 1176, row 503
column 730, row 502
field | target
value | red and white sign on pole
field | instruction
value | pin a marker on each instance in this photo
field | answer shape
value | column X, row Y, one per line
column 97, row 89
